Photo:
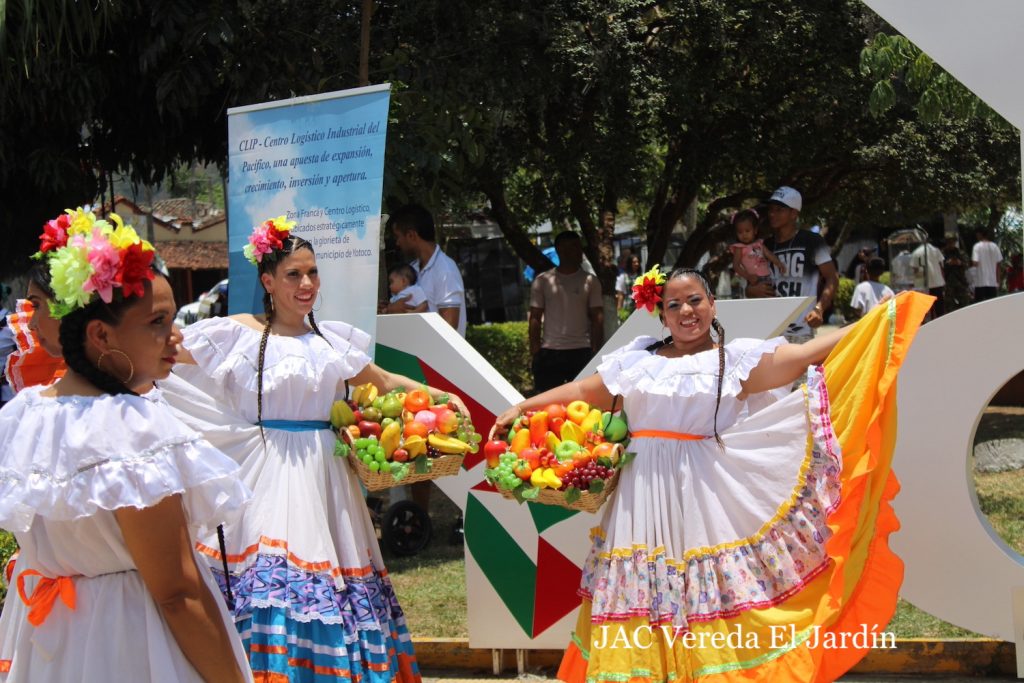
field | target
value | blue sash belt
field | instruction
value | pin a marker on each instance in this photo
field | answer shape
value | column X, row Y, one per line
column 296, row 425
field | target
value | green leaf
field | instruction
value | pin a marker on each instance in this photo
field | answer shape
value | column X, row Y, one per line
column 340, row 448
column 423, row 464
column 627, row 457
column 529, row 493
column 604, row 461
column 572, row 494
column 882, row 98
column 596, row 486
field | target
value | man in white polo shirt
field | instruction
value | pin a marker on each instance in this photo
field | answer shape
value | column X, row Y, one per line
column 416, row 237
column 986, row 258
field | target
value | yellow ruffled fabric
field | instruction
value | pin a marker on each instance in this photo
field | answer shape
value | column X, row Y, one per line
column 828, row 626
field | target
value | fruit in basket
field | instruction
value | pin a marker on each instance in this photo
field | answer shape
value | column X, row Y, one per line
column 614, row 427
column 415, row 445
column 447, row 419
column 428, row 418
column 572, row 432
column 371, row 414
column 567, row 449
column 555, row 410
column 523, row 470
column 493, row 450
column 609, row 450
column 593, row 419
column 365, row 394
column 417, row 400
column 369, row 428
column 414, row 428
column 391, row 407
column 538, row 428
column 342, row 415
column 400, row 455
column 520, row 441
column 551, row 442
column 389, row 438
column 447, row 444
column 577, row 411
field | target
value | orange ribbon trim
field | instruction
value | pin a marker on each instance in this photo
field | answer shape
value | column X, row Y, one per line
column 658, row 434
column 45, row 595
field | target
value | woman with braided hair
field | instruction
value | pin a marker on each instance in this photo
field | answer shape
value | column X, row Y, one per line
column 310, row 592
column 747, row 530
column 105, row 490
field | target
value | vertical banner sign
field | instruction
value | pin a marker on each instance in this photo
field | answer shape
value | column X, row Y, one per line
column 318, row 160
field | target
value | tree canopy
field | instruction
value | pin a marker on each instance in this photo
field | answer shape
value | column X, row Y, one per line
column 568, row 110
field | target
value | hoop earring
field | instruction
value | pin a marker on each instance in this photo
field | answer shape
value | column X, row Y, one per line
column 319, row 301
column 131, row 366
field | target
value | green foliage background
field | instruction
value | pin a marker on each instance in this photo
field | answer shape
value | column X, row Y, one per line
column 506, row 346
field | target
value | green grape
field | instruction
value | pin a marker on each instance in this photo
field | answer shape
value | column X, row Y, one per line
column 475, row 438
column 379, row 456
column 374, row 466
column 474, row 447
column 461, row 436
column 367, row 459
column 385, row 467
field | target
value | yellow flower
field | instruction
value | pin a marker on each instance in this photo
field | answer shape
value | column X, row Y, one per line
column 282, row 223
column 123, row 236
column 654, row 274
column 82, row 221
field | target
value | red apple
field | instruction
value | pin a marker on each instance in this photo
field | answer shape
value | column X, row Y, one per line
column 367, row 428
column 400, row 455
column 555, row 424
column 493, row 450
column 447, row 421
column 532, row 456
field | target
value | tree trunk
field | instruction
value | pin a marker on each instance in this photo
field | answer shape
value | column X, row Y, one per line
column 517, row 238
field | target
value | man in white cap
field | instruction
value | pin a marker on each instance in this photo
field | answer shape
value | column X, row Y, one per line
column 807, row 258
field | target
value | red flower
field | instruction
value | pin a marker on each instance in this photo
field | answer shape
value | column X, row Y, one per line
column 135, row 270
column 55, row 234
column 275, row 237
column 647, row 294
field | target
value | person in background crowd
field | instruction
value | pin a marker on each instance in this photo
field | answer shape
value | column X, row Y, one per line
column 926, row 261
column 624, row 283
column 958, row 293
column 438, row 275
column 987, row 260
column 871, row 292
column 807, row 259
column 566, row 316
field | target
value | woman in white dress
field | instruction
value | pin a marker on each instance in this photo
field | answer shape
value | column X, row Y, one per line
column 105, row 490
column 731, row 518
column 310, row 593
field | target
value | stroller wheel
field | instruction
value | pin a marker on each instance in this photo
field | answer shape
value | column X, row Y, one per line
column 406, row 528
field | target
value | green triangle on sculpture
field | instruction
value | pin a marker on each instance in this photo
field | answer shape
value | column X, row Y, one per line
column 546, row 516
column 510, row 570
column 399, row 362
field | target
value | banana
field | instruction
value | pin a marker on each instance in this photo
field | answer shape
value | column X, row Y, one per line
column 447, row 444
column 537, row 478
column 369, row 394
column 551, row 479
column 342, row 415
column 415, row 445
column 389, row 438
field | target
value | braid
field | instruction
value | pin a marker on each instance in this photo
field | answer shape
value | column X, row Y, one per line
column 72, row 340
column 268, row 309
column 316, row 329
column 720, row 331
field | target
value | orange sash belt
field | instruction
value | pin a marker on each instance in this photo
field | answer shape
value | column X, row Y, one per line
column 658, row 434
column 45, row 595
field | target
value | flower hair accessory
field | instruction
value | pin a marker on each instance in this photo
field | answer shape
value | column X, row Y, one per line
column 266, row 238
column 90, row 258
column 647, row 289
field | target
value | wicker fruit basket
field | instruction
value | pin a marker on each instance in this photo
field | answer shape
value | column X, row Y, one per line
column 431, row 468
column 586, row 502
column 443, row 466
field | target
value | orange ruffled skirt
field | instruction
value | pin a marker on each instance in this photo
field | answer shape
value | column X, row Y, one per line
column 819, row 632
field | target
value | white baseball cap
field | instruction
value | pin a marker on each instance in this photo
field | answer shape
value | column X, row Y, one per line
column 787, row 196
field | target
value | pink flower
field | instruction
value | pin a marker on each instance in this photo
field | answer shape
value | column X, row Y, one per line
column 55, row 234
column 105, row 261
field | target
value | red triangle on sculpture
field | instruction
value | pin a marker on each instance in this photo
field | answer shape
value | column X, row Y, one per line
column 557, row 582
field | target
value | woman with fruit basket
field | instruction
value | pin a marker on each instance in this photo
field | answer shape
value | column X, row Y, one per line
column 747, row 539
column 310, row 593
